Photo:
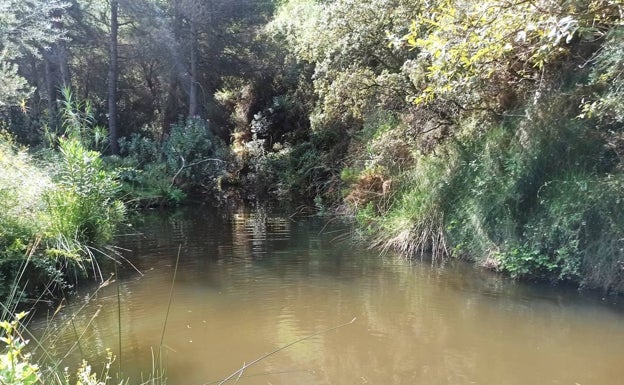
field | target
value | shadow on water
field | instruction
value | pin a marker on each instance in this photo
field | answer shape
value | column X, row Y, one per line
column 250, row 281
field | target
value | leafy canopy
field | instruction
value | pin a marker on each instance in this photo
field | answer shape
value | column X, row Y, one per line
column 26, row 27
column 462, row 44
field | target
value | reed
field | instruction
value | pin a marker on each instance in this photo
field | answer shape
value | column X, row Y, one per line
column 119, row 361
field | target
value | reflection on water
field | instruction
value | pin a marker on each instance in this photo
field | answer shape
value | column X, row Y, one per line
column 250, row 282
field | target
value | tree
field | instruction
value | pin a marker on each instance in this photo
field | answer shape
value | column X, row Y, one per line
column 113, row 76
column 464, row 47
column 356, row 70
column 25, row 28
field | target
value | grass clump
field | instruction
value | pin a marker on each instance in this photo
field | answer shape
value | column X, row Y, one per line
column 57, row 210
column 414, row 222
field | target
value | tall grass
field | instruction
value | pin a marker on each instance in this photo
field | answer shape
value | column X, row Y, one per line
column 82, row 207
column 537, row 197
column 414, row 223
column 23, row 219
column 58, row 208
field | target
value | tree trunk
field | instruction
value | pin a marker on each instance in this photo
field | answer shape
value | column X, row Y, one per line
column 172, row 101
column 60, row 51
column 63, row 63
column 113, row 75
column 193, row 83
column 51, row 91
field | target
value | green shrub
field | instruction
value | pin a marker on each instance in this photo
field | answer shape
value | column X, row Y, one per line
column 190, row 159
column 193, row 155
column 83, row 207
column 304, row 170
column 55, row 211
column 580, row 224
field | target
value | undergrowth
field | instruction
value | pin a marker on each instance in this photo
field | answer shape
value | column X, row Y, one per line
column 537, row 197
column 190, row 160
column 58, row 209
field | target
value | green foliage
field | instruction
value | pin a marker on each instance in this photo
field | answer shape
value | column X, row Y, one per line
column 414, row 220
column 18, row 38
column 55, row 211
column 523, row 262
column 355, row 68
column 463, row 46
column 300, row 170
column 22, row 186
column 146, row 179
column 580, row 226
column 607, row 80
column 349, row 175
column 293, row 169
column 16, row 367
column 79, row 124
column 83, row 207
column 193, row 155
column 191, row 159
column 533, row 198
column 573, row 235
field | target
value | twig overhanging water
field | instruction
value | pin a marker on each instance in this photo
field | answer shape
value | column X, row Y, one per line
column 245, row 366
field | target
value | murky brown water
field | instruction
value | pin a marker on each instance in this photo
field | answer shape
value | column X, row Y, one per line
column 249, row 283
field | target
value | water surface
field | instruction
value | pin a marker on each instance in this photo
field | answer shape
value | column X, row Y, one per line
column 249, row 282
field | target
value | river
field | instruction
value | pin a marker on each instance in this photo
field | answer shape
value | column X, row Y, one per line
column 251, row 281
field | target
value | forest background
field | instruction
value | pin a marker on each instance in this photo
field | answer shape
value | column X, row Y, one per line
column 490, row 131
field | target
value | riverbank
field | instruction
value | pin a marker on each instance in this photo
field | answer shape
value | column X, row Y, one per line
column 468, row 137
column 490, row 131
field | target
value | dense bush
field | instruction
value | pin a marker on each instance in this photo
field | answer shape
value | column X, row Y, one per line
column 510, row 152
column 300, row 170
column 189, row 160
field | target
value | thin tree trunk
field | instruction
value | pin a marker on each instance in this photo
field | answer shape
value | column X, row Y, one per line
column 172, row 100
column 113, row 75
column 193, row 84
column 50, row 91
column 60, row 51
column 63, row 63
